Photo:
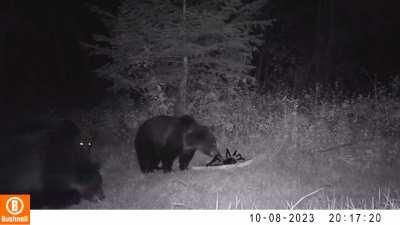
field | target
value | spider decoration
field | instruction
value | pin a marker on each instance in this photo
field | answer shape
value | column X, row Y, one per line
column 218, row 160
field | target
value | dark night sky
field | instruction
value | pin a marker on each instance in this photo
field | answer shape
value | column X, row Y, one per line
column 42, row 61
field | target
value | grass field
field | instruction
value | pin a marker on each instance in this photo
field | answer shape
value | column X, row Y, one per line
column 308, row 153
column 262, row 184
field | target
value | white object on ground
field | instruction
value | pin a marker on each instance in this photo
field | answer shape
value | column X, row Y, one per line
column 224, row 167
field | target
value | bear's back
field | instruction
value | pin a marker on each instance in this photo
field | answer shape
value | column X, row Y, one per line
column 157, row 130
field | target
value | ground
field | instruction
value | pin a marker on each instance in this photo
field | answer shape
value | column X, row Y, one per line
column 308, row 153
column 263, row 184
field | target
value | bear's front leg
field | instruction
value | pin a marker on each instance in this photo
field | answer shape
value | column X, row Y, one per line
column 185, row 158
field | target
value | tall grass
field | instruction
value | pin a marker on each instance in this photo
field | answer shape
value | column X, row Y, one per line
column 345, row 147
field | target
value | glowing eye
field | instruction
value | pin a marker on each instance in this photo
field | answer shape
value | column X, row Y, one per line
column 81, row 143
column 90, row 143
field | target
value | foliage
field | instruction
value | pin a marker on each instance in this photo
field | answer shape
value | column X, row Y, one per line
column 149, row 38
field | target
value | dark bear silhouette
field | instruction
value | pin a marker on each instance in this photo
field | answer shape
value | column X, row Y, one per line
column 46, row 159
column 164, row 138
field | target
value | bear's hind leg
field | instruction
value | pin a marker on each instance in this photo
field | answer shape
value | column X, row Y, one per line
column 148, row 165
column 154, row 165
column 148, row 161
column 144, row 165
column 167, row 165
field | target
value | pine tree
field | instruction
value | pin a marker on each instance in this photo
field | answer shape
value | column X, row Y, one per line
column 154, row 43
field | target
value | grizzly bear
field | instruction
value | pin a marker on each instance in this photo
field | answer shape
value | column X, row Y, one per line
column 165, row 138
column 46, row 160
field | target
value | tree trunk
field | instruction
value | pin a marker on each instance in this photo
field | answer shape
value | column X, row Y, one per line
column 180, row 108
column 180, row 104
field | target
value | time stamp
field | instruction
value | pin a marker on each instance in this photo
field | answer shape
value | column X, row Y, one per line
column 317, row 218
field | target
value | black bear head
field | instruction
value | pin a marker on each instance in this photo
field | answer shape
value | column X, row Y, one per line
column 85, row 147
